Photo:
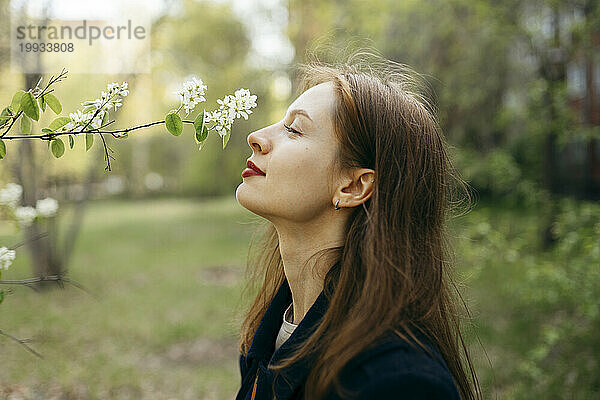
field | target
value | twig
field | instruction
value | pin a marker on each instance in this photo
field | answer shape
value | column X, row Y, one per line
column 107, row 156
column 57, row 278
column 50, row 136
column 53, row 80
column 22, row 342
column 41, row 235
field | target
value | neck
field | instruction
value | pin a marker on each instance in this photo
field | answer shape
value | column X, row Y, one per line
column 296, row 245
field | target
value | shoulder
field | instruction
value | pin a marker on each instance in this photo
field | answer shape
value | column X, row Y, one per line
column 396, row 367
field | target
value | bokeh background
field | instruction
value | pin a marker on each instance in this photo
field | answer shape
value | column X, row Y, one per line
column 159, row 243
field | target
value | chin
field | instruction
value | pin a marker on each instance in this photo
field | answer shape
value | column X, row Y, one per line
column 244, row 198
column 251, row 201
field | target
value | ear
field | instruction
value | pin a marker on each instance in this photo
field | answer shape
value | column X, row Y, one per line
column 356, row 188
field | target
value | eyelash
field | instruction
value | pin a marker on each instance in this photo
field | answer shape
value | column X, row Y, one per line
column 291, row 130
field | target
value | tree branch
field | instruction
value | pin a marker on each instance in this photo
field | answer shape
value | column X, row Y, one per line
column 22, row 342
column 51, row 136
column 57, row 278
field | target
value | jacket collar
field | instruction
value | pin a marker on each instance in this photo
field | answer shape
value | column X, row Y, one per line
column 263, row 343
column 293, row 377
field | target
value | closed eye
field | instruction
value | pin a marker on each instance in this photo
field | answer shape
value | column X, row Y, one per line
column 292, row 130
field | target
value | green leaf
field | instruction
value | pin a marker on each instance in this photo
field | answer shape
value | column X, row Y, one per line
column 30, row 106
column 58, row 147
column 174, row 124
column 71, row 141
column 203, row 135
column 42, row 103
column 226, row 139
column 1, row 294
column 47, row 130
column 2, row 149
column 15, row 104
column 200, row 127
column 59, row 123
column 4, row 120
column 53, row 103
column 89, row 140
column 5, row 116
column 105, row 119
column 25, row 125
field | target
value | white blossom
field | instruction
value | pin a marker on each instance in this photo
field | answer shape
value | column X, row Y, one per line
column 11, row 195
column 191, row 93
column 222, row 119
column 6, row 257
column 25, row 215
column 80, row 119
column 231, row 107
column 47, row 207
column 244, row 101
column 109, row 99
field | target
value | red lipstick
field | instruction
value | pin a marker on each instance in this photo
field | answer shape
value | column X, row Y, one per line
column 252, row 170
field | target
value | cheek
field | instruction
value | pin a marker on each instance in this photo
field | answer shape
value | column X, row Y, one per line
column 300, row 174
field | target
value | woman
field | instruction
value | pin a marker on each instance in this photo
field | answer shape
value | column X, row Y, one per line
column 355, row 300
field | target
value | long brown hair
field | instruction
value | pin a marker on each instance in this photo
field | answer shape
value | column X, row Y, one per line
column 393, row 272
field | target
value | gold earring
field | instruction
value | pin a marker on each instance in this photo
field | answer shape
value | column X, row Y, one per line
column 337, row 203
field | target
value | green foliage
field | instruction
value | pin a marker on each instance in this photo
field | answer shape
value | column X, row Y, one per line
column 59, row 122
column 498, row 175
column 5, row 116
column 563, row 289
column 173, row 123
column 2, row 149
column 15, row 104
column 25, row 125
column 58, row 147
column 536, row 309
column 200, row 128
column 42, row 103
column 89, row 140
column 53, row 102
column 30, row 106
column 217, row 46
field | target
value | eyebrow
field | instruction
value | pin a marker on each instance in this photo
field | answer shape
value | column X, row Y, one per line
column 301, row 112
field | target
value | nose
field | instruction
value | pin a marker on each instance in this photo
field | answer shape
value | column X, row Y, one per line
column 258, row 142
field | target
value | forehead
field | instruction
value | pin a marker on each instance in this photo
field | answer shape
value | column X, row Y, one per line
column 318, row 101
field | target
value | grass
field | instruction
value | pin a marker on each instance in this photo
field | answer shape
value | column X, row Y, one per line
column 161, row 326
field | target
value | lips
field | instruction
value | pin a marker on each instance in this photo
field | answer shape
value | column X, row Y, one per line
column 253, row 166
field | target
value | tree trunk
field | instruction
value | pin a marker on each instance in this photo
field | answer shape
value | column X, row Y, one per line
column 43, row 250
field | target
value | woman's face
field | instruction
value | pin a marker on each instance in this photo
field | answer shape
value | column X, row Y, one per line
column 297, row 185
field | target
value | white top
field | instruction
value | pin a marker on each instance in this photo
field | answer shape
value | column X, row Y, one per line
column 286, row 327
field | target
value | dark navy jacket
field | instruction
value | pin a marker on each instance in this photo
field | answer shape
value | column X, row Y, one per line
column 393, row 369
